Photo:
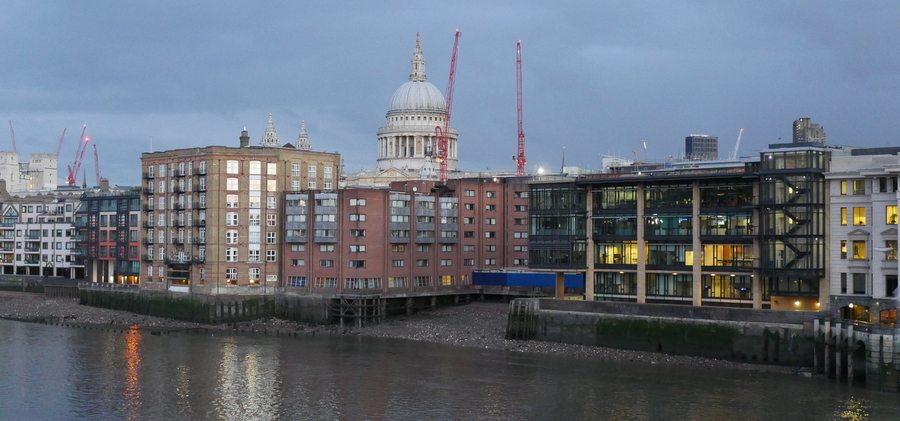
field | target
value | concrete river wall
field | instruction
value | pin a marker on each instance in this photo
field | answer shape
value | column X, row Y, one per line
column 771, row 337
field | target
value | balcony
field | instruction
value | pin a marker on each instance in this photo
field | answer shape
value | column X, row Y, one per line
column 149, row 224
column 200, row 171
column 178, row 189
column 148, row 241
column 149, row 191
column 201, row 187
column 178, row 206
column 149, row 175
column 178, row 241
column 179, row 173
column 149, row 208
column 200, row 240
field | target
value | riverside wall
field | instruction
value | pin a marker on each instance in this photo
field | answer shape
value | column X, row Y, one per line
column 745, row 335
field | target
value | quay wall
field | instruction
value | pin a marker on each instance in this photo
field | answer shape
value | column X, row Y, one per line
column 771, row 337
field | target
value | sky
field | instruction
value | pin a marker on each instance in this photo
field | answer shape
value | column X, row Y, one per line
column 598, row 76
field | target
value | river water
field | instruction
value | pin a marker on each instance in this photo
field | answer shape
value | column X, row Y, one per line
column 58, row 373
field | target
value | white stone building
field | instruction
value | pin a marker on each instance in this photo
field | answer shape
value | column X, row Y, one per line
column 38, row 174
column 408, row 144
column 862, row 215
column 37, row 236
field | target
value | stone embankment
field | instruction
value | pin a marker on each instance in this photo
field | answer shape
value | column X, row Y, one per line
column 476, row 325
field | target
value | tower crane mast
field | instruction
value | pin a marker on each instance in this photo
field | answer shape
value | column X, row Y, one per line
column 441, row 133
column 59, row 145
column 75, row 166
column 96, row 164
column 520, row 154
column 12, row 136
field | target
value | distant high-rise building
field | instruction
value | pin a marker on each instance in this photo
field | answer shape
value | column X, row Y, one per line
column 806, row 131
column 701, row 147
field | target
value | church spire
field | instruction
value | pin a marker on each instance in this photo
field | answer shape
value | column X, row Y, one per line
column 303, row 138
column 417, row 74
column 270, row 138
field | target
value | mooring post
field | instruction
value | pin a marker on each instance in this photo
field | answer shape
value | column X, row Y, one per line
column 560, row 285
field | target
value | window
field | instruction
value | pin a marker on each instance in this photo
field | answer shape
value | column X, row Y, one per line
column 490, row 262
column 859, row 249
column 357, row 248
column 357, row 217
column 271, row 168
column 859, row 283
column 326, row 282
column 421, row 263
column 357, row 264
column 890, row 214
column 520, row 262
column 843, row 249
column 254, row 275
column 843, row 187
column 520, row 208
column 468, row 262
column 326, row 263
column 311, row 171
column 843, row 283
column 843, row 216
column 326, row 248
column 400, row 218
column 447, row 248
column 231, row 254
column 446, row 262
column 253, row 218
column 422, row 281
column 297, row 281
column 271, row 255
column 231, row 184
column 859, row 216
column 295, row 169
column 521, row 194
column 357, row 202
column 520, row 249
column 271, row 220
column 422, row 248
column 255, row 168
column 231, row 237
column 490, row 221
column 859, row 186
column 271, row 237
column 231, row 219
column 231, row 275
column 890, row 254
column 398, row 263
column 396, row 282
column 469, row 206
column 398, row 248
column 231, row 200
column 520, row 234
column 232, row 167
column 399, row 203
column 490, row 208
column 490, row 194
column 469, row 193
column 490, row 234
column 298, row 262
column 298, row 247
column 468, row 220
column 357, row 233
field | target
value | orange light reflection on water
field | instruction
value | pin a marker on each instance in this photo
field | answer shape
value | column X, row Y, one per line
column 132, row 390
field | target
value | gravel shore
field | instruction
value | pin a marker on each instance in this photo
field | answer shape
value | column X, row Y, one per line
column 475, row 325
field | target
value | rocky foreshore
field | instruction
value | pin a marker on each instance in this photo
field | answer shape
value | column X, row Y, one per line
column 475, row 325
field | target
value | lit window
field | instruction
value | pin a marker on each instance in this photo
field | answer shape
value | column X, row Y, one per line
column 843, row 216
column 859, row 249
column 890, row 214
column 859, row 216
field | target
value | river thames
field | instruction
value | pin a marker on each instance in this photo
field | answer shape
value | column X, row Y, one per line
column 58, row 373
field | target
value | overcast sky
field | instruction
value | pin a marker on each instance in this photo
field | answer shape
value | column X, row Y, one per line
column 599, row 76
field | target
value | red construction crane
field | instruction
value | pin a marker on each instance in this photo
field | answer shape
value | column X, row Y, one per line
column 520, row 155
column 59, row 145
column 75, row 166
column 440, row 133
column 96, row 164
column 12, row 135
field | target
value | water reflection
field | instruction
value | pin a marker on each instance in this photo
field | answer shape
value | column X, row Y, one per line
column 51, row 372
column 248, row 385
column 131, row 393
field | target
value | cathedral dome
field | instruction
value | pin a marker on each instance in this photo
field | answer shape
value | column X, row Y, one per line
column 417, row 96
